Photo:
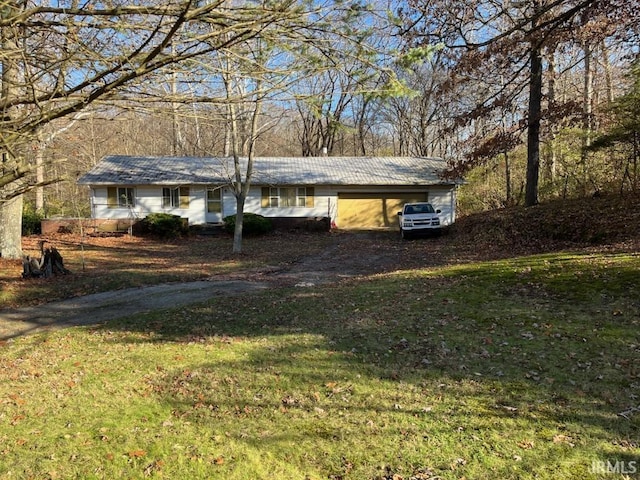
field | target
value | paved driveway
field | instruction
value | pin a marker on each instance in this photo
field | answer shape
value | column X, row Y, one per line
column 362, row 254
column 100, row 307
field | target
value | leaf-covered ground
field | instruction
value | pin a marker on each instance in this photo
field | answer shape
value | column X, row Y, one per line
column 512, row 369
column 467, row 356
column 103, row 264
column 578, row 223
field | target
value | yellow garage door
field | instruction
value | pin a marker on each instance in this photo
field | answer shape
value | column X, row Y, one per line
column 373, row 210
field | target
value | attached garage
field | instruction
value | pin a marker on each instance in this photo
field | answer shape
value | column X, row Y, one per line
column 373, row 209
column 349, row 192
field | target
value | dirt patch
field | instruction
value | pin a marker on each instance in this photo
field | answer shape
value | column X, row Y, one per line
column 349, row 255
column 343, row 256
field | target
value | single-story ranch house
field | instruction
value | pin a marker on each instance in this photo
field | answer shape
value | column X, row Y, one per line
column 353, row 192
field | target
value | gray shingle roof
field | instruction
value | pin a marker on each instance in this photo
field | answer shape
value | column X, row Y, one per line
column 125, row 170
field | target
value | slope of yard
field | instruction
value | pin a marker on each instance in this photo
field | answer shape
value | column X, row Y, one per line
column 104, row 264
column 453, row 358
column 586, row 222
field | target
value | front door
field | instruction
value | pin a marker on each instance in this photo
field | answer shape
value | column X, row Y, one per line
column 214, row 205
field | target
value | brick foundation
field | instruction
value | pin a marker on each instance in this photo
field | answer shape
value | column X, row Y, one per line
column 90, row 225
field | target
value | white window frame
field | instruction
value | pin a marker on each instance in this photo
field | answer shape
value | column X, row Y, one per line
column 280, row 197
column 172, row 197
column 125, row 197
column 214, row 201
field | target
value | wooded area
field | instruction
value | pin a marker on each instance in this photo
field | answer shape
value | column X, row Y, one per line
column 529, row 100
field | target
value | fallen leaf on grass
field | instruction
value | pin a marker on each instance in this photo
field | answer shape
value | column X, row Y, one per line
column 17, row 399
column 153, row 467
column 289, row 400
column 563, row 439
column 457, row 463
column 526, row 444
column 136, row 453
column 16, row 419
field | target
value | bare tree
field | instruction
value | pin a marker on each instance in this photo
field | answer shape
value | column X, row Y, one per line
column 243, row 117
column 348, row 75
column 57, row 60
column 419, row 119
column 485, row 39
column 315, row 43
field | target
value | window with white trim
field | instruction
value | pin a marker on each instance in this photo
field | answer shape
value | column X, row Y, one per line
column 214, row 200
column 175, row 197
column 281, row 197
column 121, row 197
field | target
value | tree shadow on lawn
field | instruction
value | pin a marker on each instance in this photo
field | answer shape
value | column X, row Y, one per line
column 481, row 356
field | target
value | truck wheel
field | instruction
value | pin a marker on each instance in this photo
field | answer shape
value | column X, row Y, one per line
column 404, row 235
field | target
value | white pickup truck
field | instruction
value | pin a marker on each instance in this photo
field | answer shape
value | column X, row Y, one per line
column 418, row 219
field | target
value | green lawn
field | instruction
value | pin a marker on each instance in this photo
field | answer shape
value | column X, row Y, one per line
column 515, row 369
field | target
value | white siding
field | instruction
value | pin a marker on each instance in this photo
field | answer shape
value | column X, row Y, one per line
column 444, row 199
column 149, row 200
column 322, row 199
column 229, row 202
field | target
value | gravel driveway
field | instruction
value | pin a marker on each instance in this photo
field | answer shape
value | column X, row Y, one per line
column 100, row 307
column 339, row 261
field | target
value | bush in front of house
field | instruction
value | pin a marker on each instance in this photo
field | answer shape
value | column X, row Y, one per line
column 165, row 225
column 31, row 221
column 252, row 224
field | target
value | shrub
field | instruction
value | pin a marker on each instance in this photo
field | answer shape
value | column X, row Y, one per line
column 252, row 224
column 165, row 225
column 31, row 222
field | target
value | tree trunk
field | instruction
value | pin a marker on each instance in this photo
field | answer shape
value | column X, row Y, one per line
column 237, row 232
column 177, row 143
column 587, row 113
column 40, row 180
column 11, row 228
column 607, row 72
column 10, row 205
column 634, row 160
column 551, row 102
column 533, row 131
column 507, row 179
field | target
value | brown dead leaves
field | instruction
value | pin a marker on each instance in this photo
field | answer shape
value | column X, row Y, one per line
column 101, row 264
